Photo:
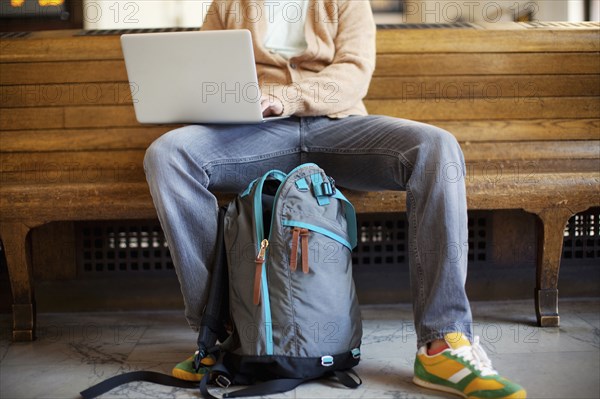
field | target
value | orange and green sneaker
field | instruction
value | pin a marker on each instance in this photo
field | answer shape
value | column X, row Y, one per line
column 463, row 369
column 186, row 370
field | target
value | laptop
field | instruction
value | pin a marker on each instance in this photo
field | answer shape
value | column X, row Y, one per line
column 193, row 77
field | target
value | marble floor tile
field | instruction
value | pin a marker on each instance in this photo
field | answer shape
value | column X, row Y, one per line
column 574, row 375
column 76, row 350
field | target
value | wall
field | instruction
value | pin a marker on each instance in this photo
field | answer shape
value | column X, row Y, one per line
column 127, row 14
column 492, row 11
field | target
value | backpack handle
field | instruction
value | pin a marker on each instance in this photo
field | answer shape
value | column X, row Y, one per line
column 259, row 183
column 277, row 174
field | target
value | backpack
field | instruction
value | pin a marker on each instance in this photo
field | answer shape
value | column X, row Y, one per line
column 293, row 306
column 285, row 291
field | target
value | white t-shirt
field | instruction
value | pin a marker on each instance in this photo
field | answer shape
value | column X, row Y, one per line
column 286, row 20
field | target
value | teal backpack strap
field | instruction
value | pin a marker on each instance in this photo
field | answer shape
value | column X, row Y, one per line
column 350, row 217
column 260, row 238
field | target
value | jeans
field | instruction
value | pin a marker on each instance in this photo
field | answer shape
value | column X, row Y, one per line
column 184, row 166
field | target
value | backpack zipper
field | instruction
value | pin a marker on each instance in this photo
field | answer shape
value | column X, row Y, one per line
column 317, row 229
column 259, row 261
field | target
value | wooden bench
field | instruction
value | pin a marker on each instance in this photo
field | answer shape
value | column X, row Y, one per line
column 524, row 103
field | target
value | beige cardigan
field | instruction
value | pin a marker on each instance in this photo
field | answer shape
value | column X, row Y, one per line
column 332, row 76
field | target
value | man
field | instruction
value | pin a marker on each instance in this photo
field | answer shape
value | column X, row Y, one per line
column 314, row 61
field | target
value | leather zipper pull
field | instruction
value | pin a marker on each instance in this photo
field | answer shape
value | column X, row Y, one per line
column 304, row 240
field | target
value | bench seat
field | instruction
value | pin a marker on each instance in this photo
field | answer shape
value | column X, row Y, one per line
column 524, row 104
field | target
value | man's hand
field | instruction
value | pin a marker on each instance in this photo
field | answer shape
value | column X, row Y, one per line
column 270, row 106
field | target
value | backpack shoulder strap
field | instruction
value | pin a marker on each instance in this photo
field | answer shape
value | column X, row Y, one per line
column 216, row 310
column 148, row 376
column 348, row 378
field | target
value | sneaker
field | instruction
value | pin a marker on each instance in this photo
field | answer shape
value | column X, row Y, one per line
column 463, row 369
column 186, row 370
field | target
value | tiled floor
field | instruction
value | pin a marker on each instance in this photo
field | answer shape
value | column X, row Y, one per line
column 76, row 350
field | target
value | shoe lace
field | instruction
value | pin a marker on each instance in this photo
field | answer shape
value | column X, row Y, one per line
column 477, row 357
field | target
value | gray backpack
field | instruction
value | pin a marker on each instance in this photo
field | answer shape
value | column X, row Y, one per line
column 281, row 297
column 292, row 302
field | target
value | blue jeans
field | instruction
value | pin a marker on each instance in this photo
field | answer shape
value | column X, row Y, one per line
column 184, row 167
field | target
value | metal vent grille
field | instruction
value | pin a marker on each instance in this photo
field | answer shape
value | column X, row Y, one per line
column 452, row 25
column 14, row 35
column 383, row 239
column 114, row 32
column 124, row 246
column 111, row 248
column 480, row 237
column 581, row 245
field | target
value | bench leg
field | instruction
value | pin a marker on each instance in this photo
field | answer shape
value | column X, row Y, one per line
column 18, row 258
column 550, row 243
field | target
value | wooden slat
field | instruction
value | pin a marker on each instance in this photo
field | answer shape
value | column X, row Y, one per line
column 59, row 160
column 72, row 167
column 132, row 159
column 526, row 169
column 536, row 150
column 486, row 41
column 506, row 192
column 80, row 139
column 53, row 46
column 428, row 109
column 32, row 118
column 441, row 64
column 85, row 71
column 486, row 109
column 523, row 130
column 63, row 72
column 72, row 173
column 45, row 95
column 77, row 201
column 46, row 202
column 521, row 88
column 545, row 190
column 140, row 137
column 100, row 116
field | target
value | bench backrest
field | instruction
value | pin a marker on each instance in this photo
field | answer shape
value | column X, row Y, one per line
column 515, row 96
